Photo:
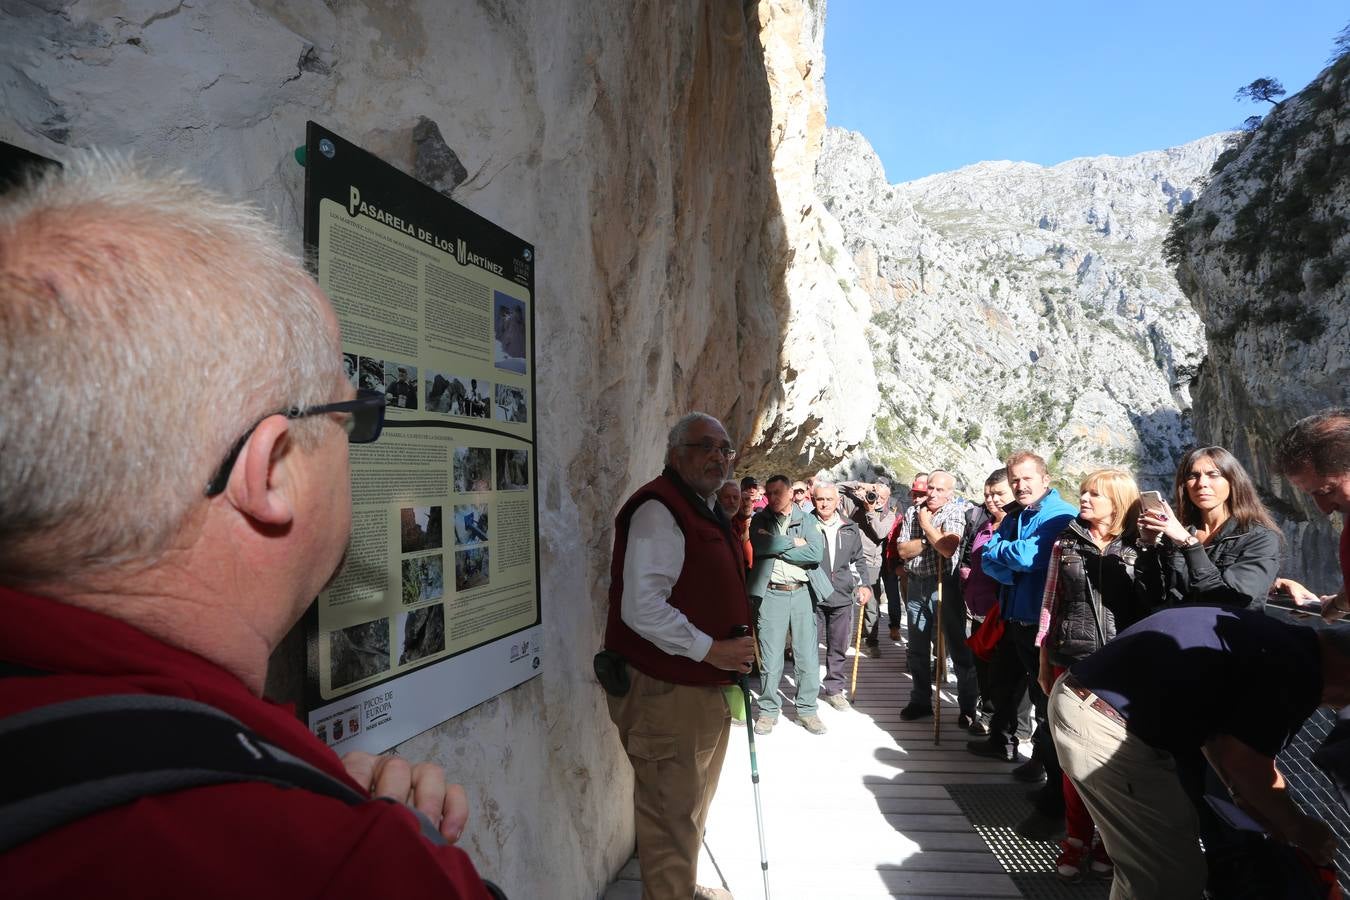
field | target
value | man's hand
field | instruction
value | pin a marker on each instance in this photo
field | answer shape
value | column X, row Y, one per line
column 799, row 542
column 1334, row 606
column 925, row 517
column 1297, row 592
column 421, row 786
column 732, row 654
column 864, row 595
column 1314, row 837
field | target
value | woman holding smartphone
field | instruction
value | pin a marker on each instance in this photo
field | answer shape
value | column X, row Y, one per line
column 1089, row 595
column 1222, row 550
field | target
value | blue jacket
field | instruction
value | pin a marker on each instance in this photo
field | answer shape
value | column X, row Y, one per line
column 1018, row 555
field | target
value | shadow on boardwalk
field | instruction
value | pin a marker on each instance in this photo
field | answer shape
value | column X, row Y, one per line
column 860, row 812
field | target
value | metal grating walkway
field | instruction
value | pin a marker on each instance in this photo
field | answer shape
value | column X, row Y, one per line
column 875, row 809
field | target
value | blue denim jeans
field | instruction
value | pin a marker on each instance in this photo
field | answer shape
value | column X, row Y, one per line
column 920, row 609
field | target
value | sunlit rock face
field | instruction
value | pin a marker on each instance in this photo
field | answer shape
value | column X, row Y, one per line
column 1016, row 305
column 1266, row 261
column 819, row 407
column 637, row 146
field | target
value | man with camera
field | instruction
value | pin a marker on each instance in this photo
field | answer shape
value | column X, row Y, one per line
column 868, row 505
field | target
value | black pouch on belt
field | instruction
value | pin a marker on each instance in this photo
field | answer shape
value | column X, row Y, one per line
column 611, row 670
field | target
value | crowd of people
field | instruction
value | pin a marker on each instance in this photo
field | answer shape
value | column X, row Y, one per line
column 1123, row 635
column 142, row 593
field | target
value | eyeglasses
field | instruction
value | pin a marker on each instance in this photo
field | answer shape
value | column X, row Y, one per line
column 799, row 490
column 708, row 447
column 363, row 424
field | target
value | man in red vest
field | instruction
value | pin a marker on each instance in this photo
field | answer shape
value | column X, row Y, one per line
column 676, row 598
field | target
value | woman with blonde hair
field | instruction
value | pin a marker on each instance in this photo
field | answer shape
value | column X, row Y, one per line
column 1089, row 595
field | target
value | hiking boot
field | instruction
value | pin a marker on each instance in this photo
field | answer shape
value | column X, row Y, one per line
column 812, row 724
column 965, row 721
column 895, row 633
column 914, row 711
column 1040, row 827
column 1073, row 855
column 994, row 751
column 1100, row 865
column 838, row 701
column 1030, row 772
column 978, row 727
column 871, row 651
column 764, row 724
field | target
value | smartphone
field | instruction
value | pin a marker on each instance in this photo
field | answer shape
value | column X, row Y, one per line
column 1150, row 501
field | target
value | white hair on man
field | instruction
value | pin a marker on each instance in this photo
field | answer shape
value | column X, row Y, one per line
column 824, row 484
column 680, row 430
column 145, row 324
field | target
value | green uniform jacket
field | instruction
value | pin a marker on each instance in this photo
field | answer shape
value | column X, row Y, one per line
column 771, row 546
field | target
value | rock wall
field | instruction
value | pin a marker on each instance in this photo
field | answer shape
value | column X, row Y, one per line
column 1265, row 258
column 820, row 406
column 1016, row 305
column 636, row 145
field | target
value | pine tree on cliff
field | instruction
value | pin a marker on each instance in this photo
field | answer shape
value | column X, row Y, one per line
column 1267, row 89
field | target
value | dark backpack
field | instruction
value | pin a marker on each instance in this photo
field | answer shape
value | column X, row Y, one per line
column 63, row 782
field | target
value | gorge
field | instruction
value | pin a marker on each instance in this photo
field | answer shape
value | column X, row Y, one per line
column 705, row 241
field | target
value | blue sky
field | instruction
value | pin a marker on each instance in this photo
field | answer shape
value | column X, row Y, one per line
column 936, row 86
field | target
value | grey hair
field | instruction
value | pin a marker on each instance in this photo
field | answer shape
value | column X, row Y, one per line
column 145, row 323
column 824, row 483
column 680, row 430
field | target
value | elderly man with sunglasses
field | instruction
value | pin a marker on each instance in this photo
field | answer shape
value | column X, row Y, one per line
column 159, row 541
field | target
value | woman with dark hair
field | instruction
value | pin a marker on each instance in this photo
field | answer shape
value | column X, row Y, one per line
column 1222, row 550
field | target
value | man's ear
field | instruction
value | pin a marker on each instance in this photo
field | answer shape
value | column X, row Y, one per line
column 256, row 484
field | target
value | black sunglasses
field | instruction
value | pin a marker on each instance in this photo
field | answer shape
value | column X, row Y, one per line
column 363, row 425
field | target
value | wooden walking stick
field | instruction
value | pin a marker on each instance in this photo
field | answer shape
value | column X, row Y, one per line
column 939, row 670
column 857, row 651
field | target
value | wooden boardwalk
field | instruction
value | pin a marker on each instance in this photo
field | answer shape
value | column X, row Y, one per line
column 860, row 812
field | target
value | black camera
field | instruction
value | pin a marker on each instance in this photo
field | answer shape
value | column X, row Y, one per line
column 870, row 496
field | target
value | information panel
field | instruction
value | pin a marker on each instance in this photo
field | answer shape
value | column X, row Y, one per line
column 436, row 607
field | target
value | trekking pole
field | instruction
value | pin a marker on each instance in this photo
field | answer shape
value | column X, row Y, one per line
column 744, row 680
column 939, row 670
column 857, row 652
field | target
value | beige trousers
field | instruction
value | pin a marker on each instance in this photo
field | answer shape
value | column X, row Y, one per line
column 676, row 738
column 1146, row 820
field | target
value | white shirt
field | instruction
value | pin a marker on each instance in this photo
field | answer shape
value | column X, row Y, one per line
column 831, row 529
column 651, row 566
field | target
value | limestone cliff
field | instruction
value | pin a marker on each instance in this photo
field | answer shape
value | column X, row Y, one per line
column 820, row 406
column 636, row 145
column 1018, row 305
column 1264, row 255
